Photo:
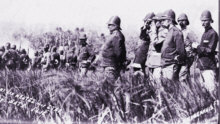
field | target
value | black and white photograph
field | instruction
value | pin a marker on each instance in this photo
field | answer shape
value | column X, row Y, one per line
column 109, row 62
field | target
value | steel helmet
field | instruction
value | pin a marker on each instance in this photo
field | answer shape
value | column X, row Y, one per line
column 8, row 45
column 169, row 14
column 115, row 20
column 13, row 47
column 183, row 16
column 149, row 16
column 206, row 15
column 2, row 48
column 157, row 16
column 23, row 51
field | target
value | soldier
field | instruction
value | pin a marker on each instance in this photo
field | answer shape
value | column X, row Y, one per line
column 24, row 60
column 114, row 51
column 141, row 53
column 172, row 51
column 55, row 58
column 2, row 51
column 206, row 52
column 13, row 47
column 84, row 55
column 7, row 46
column 10, row 58
column 62, row 60
column 189, row 37
column 157, row 36
column 45, row 61
column 113, row 59
column 71, row 59
column 36, row 61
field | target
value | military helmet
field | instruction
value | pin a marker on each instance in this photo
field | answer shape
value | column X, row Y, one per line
column 149, row 16
column 157, row 16
column 115, row 20
column 183, row 16
column 169, row 14
column 47, row 46
column 82, row 36
column 206, row 15
column 2, row 48
column 13, row 47
column 23, row 51
column 8, row 45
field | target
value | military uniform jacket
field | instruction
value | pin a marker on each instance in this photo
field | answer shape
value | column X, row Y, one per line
column 206, row 50
column 173, row 46
column 10, row 57
column 114, row 51
column 154, row 54
column 84, row 53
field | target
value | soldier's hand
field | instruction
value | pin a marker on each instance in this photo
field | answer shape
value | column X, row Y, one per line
column 67, row 64
column 195, row 45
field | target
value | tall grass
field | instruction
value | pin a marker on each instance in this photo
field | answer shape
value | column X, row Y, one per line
column 137, row 100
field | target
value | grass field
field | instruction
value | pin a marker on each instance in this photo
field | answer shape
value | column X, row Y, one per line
column 63, row 97
column 82, row 100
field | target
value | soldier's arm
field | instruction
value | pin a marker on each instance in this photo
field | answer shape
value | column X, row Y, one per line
column 4, row 56
column 117, row 44
column 91, row 55
column 210, row 48
column 180, row 45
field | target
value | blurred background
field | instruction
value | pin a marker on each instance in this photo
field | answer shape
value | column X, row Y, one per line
column 39, row 16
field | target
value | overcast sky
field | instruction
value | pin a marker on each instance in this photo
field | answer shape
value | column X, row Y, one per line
column 93, row 14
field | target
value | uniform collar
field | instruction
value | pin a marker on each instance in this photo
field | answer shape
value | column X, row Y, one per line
column 171, row 26
column 208, row 28
column 113, row 32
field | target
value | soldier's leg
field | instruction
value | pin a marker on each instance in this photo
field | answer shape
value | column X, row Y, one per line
column 157, row 74
column 209, row 81
column 184, row 73
column 168, row 72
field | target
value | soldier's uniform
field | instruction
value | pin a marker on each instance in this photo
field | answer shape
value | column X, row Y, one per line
column 36, row 61
column 55, row 58
column 46, row 58
column 113, row 52
column 173, row 51
column 84, row 55
column 2, row 51
column 71, row 59
column 62, row 60
column 206, row 52
column 141, row 53
column 24, row 60
column 189, row 37
column 11, row 59
column 157, row 36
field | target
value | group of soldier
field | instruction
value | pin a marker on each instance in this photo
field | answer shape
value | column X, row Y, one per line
column 11, row 58
column 169, row 52
column 166, row 51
